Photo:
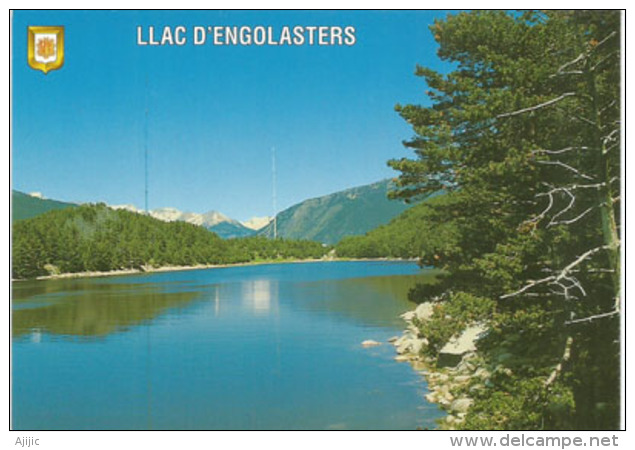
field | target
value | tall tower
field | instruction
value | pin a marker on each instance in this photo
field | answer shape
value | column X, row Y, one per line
column 273, row 192
column 145, row 149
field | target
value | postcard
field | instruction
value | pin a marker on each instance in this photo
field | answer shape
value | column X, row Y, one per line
column 318, row 220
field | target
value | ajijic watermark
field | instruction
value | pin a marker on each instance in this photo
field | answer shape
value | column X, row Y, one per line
column 27, row 441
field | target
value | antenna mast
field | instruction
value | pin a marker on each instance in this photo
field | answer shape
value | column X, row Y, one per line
column 145, row 147
column 273, row 192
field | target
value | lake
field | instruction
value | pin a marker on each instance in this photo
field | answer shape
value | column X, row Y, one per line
column 274, row 346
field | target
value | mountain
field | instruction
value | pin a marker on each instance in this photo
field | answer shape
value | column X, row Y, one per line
column 231, row 229
column 256, row 223
column 404, row 236
column 329, row 218
column 219, row 223
column 26, row 206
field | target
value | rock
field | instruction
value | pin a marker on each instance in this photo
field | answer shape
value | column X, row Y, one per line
column 461, row 405
column 416, row 346
column 393, row 339
column 461, row 379
column 445, row 398
column 401, row 358
column 424, row 311
column 403, row 347
column 52, row 269
column 419, row 365
column 482, row 373
column 452, row 353
column 465, row 366
column 408, row 316
column 397, row 342
column 370, row 343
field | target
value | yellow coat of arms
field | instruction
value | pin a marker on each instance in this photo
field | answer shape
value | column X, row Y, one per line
column 45, row 48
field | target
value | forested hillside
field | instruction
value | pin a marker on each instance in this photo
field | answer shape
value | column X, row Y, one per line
column 98, row 238
column 404, row 237
column 524, row 135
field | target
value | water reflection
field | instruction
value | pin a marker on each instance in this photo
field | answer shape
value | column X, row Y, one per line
column 268, row 347
column 88, row 308
column 260, row 296
column 371, row 301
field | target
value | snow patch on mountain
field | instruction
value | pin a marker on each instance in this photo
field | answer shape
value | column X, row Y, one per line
column 256, row 223
column 208, row 219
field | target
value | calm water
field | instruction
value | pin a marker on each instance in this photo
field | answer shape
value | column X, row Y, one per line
column 259, row 347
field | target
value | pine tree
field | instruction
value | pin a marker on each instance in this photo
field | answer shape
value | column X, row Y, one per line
column 524, row 136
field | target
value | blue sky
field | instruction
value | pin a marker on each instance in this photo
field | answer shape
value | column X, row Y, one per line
column 214, row 112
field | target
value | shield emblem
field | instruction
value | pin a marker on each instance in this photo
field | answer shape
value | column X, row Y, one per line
column 45, row 48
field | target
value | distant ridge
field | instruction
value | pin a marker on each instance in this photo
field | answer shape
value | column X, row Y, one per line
column 26, row 206
column 329, row 218
column 215, row 221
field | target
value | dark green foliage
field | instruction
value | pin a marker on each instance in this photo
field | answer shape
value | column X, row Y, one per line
column 402, row 237
column 25, row 206
column 97, row 238
column 523, row 135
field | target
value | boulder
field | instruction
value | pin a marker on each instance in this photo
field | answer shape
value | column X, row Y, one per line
column 461, row 379
column 452, row 353
column 403, row 346
column 370, row 343
column 419, row 365
column 408, row 316
column 416, row 345
column 424, row 311
column 461, row 405
column 482, row 373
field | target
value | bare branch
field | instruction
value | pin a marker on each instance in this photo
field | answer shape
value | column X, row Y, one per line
column 557, row 152
column 566, row 166
column 583, row 56
column 528, row 286
column 594, row 317
column 564, row 74
column 610, row 105
column 567, row 190
column 583, row 119
column 613, row 136
column 540, row 216
column 564, row 274
column 570, row 221
column 582, row 258
column 567, row 208
column 604, row 41
column 580, row 57
column 603, row 60
column 573, row 187
column 533, row 108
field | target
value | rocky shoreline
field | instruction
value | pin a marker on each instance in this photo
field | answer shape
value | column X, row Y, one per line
column 454, row 375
